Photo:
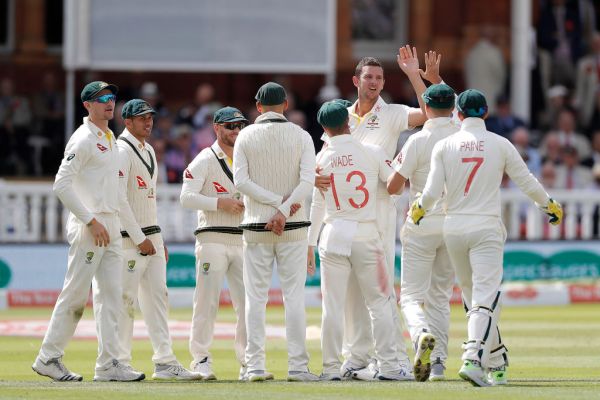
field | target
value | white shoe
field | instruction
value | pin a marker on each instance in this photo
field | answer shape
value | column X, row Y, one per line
column 437, row 371
column 118, row 372
column 56, row 370
column 369, row 373
column 422, row 362
column 301, row 376
column 403, row 374
column 175, row 372
column 497, row 376
column 330, row 377
column 348, row 368
column 243, row 372
column 472, row 372
column 203, row 367
column 258, row 375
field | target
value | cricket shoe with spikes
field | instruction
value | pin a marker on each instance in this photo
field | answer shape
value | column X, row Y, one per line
column 56, row 370
column 472, row 372
column 497, row 376
column 422, row 362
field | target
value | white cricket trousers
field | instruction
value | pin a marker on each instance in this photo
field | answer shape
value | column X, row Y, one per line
column 358, row 338
column 291, row 268
column 427, row 281
column 145, row 283
column 476, row 249
column 214, row 262
column 368, row 265
column 100, row 267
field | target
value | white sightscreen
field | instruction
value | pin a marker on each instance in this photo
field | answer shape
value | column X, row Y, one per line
column 201, row 35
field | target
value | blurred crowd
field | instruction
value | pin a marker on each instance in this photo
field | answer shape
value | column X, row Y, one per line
column 561, row 143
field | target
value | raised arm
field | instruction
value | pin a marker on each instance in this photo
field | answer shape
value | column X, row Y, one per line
column 409, row 64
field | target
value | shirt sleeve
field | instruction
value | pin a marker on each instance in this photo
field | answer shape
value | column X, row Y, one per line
column 436, row 178
column 308, row 165
column 77, row 154
column 406, row 161
column 194, row 177
column 128, row 221
column 317, row 215
column 243, row 183
column 517, row 170
column 385, row 169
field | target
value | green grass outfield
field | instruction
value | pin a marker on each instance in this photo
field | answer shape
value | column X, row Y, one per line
column 554, row 354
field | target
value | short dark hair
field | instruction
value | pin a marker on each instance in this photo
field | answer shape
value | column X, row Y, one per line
column 366, row 61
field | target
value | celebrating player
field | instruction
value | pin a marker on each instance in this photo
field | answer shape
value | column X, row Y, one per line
column 144, row 267
column 427, row 274
column 208, row 187
column 470, row 165
column 350, row 243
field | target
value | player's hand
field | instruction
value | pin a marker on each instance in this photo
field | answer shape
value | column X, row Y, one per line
column 432, row 67
column 166, row 254
column 408, row 61
column 294, row 208
column 311, row 266
column 99, row 232
column 231, row 206
column 554, row 211
column 322, row 182
column 416, row 212
column 276, row 224
column 146, row 248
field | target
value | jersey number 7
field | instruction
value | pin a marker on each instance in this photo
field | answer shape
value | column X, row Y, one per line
column 361, row 187
column 478, row 161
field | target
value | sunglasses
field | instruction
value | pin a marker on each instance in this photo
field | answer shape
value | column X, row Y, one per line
column 106, row 98
column 234, row 125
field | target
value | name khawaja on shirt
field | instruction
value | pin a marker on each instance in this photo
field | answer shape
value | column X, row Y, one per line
column 471, row 145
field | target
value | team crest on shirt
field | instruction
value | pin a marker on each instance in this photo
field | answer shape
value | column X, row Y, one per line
column 88, row 257
column 141, row 183
column 130, row 265
column 187, row 174
column 205, row 268
column 151, row 193
column 373, row 122
column 101, row 148
column 219, row 188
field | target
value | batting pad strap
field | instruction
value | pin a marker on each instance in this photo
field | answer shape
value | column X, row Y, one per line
column 149, row 230
column 473, row 344
column 480, row 309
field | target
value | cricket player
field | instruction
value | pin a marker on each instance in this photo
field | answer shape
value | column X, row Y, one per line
column 144, row 267
column 274, row 166
column 350, row 243
column 373, row 121
column 208, row 187
column 427, row 277
column 469, row 166
column 87, row 183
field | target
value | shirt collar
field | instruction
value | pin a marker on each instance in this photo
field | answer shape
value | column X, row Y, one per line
column 94, row 128
column 377, row 107
column 270, row 115
column 129, row 136
column 435, row 122
column 339, row 139
column 218, row 150
column 473, row 122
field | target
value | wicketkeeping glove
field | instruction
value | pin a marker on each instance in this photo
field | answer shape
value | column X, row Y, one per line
column 554, row 211
column 417, row 212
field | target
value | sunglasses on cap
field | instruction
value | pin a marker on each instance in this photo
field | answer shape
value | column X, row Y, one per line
column 234, row 125
column 105, row 98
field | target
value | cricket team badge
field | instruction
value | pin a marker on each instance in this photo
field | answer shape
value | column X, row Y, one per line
column 130, row 265
column 88, row 257
column 205, row 268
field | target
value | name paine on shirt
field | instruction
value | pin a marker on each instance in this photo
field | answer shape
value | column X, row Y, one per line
column 472, row 145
